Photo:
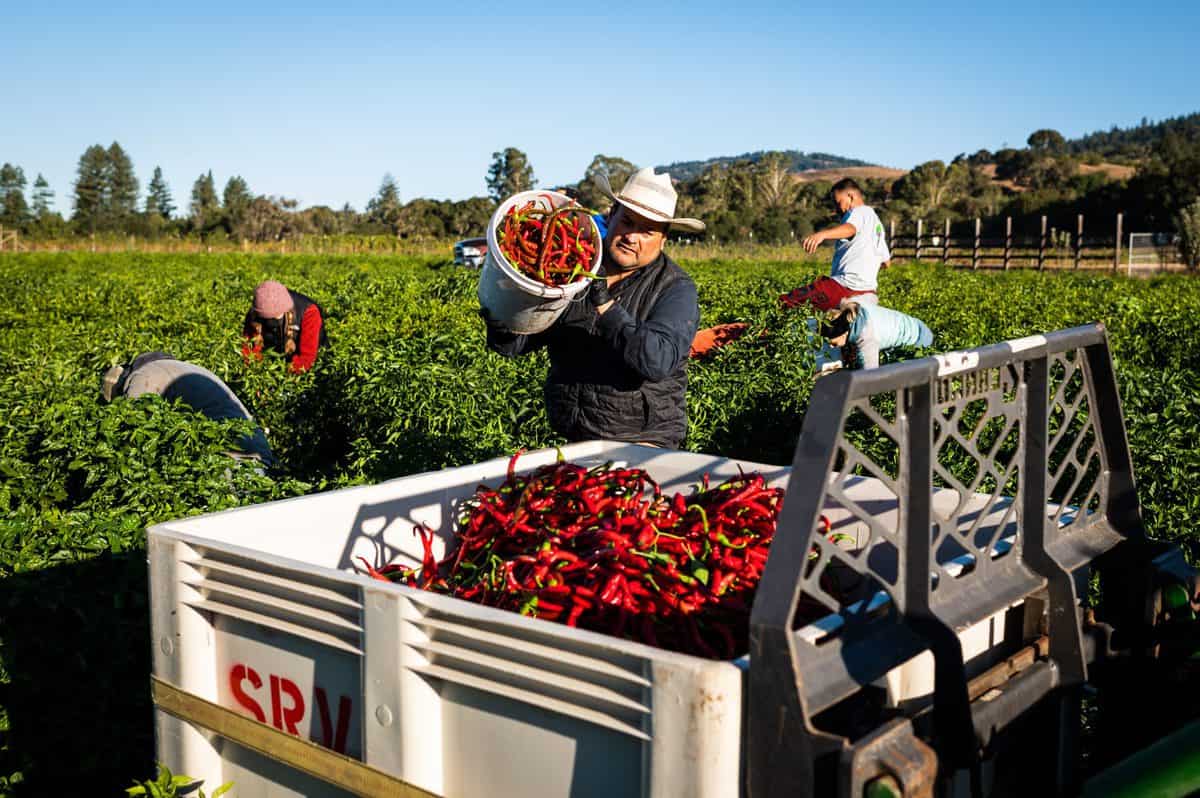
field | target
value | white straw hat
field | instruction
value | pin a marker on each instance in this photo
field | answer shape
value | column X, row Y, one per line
column 650, row 195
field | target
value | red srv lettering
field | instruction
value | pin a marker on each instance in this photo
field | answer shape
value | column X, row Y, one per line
column 288, row 707
column 239, row 674
column 337, row 743
column 282, row 717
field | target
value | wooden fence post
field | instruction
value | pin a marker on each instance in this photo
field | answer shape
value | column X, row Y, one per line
column 892, row 231
column 1117, row 244
column 946, row 242
column 1078, row 239
column 1042, row 247
column 917, row 243
column 975, row 249
column 1007, row 240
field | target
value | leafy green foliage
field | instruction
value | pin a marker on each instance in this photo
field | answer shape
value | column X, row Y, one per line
column 169, row 785
column 406, row 386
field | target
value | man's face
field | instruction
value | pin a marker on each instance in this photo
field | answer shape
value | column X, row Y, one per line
column 633, row 241
column 844, row 200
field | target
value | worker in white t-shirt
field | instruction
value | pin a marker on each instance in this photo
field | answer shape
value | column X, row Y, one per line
column 861, row 249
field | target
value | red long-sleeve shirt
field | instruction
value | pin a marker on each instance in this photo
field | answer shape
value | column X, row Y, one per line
column 306, row 347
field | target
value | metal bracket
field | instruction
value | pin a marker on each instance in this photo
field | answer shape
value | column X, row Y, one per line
column 891, row 757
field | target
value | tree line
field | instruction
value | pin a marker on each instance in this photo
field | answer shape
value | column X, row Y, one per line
column 758, row 197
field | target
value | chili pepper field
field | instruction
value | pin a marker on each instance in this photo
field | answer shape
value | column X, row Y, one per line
column 406, row 386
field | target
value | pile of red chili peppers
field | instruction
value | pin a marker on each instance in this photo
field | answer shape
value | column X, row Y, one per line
column 554, row 247
column 604, row 549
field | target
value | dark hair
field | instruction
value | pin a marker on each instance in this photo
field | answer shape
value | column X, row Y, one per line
column 835, row 327
column 845, row 184
column 840, row 321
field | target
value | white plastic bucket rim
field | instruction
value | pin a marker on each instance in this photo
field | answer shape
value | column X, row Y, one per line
column 549, row 200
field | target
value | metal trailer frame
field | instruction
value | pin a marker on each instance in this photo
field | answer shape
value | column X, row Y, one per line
column 1055, row 459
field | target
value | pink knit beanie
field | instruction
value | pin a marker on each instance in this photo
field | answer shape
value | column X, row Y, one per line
column 271, row 299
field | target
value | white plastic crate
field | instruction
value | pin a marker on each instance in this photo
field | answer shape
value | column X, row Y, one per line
column 261, row 610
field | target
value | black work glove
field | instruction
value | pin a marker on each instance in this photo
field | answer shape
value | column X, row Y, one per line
column 598, row 293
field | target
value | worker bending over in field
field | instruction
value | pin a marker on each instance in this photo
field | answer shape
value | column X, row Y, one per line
column 861, row 249
column 617, row 360
column 286, row 321
column 195, row 386
column 863, row 331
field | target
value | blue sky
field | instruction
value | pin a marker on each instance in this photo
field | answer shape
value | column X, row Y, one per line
column 317, row 101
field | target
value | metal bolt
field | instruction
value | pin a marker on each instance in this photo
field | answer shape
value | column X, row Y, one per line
column 383, row 715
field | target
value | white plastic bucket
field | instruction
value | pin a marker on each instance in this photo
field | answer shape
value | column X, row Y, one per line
column 520, row 303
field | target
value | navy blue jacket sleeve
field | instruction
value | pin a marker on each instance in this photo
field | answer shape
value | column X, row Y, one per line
column 508, row 343
column 658, row 346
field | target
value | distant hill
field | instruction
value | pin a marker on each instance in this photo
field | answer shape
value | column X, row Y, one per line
column 801, row 162
column 884, row 173
column 1133, row 143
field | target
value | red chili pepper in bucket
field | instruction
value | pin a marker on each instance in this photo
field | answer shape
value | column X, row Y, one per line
column 544, row 246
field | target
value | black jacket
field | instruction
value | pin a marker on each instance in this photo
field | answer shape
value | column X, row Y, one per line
column 300, row 304
column 620, row 376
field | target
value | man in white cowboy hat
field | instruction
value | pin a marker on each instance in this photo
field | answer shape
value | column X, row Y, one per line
column 617, row 360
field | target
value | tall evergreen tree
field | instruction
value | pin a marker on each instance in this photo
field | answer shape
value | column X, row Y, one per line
column 158, row 196
column 14, row 211
column 237, row 199
column 384, row 207
column 10, row 177
column 122, row 186
column 509, row 174
column 43, row 197
column 205, row 206
column 91, row 189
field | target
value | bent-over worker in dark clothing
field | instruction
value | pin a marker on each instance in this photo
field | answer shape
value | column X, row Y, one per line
column 618, row 359
column 195, row 386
